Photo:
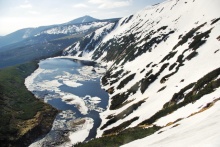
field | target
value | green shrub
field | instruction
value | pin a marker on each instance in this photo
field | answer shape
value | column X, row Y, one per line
column 161, row 89
column 168, row 57
column 126, row 80
column 116, row 75
column 215, row 20
column 120, row 127
column 187, row 36
column 192, row 55
column 180, row 58
column 122, row 115
column 172, row 66
column 207, row 78
column 148, row 65
column 117, row 100
column 123, row 137
column 145, row 83
column 197, row 40
column 162, row 28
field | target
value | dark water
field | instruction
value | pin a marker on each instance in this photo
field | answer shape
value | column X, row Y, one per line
column 89, row 87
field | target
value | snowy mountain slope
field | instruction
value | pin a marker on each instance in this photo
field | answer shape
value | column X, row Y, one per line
column 90, row 43
column 75, row 28
column 164, row 72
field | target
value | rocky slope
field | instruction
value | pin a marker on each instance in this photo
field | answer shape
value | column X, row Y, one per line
column 163, row 71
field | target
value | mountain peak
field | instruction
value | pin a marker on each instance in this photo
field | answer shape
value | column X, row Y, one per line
column 82, row 19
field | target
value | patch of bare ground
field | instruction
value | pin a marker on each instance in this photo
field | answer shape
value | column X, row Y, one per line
column 208, row 106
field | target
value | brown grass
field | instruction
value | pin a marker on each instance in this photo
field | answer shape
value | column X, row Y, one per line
column 208, row 106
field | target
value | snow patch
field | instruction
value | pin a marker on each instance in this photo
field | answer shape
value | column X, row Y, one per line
column 82, row 132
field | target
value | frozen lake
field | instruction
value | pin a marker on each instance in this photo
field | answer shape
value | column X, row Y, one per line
column 72, row 86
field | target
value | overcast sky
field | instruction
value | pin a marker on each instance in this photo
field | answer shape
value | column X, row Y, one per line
column 18, row 14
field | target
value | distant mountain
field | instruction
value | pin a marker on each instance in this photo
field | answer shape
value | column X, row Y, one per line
column 21, row 35
column 14, row 37
column 46, row 41
column 79, row 25
column 83, row 19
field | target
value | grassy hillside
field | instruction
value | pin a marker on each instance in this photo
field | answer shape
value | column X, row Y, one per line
column 23, row 117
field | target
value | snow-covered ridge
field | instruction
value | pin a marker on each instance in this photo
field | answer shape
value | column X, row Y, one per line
column 90, row 42
column 157, row 59
column 70, row 29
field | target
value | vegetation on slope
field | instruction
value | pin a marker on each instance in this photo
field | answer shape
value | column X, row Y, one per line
column 203, row 86
column 123, row 137
column 23, row 117
column 114, row 137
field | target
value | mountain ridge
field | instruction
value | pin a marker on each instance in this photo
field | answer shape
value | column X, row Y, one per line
column 25, row 33
column 32, row 44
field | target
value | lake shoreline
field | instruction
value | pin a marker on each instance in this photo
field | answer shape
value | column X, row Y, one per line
column 75, row 90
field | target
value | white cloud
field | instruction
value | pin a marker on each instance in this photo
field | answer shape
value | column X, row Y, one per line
column 80, row 5
column 97, row 1
column 109, row 4
column 25, row 6
column 94, row 11
column 26, row 1
column 34, row 12
column 112, row 12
